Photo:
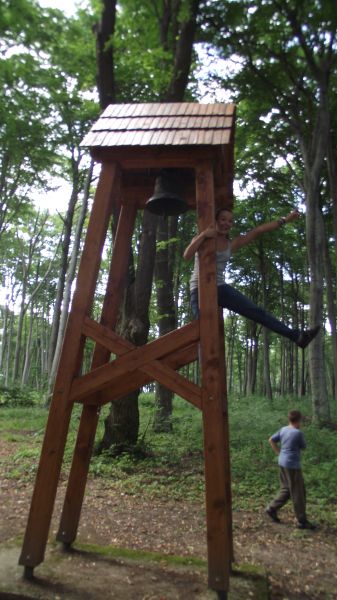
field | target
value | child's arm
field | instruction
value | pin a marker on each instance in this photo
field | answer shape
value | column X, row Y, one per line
column 274, row 446
column 195, row 244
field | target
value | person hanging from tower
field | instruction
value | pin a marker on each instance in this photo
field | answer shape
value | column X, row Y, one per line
column 228, row 296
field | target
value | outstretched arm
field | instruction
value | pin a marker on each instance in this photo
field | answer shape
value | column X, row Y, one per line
column 243, row 240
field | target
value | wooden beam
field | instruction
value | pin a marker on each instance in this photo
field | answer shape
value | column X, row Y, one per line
column 124, row 385
column 157, row 156
column 212, row 395
column 154, row 370
column 60, row 410
column 225, row 421
column 135, row 359
column 89, row 419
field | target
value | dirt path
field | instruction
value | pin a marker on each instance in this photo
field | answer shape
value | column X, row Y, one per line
column 300, row 564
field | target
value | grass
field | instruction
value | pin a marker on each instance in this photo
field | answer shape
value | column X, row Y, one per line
column 171, row 465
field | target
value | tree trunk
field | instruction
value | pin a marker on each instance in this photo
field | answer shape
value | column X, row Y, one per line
column 4, row 343
column 313, row 161
column 135, row 320
column 266, row 343
column 266, row 366
column 183, row 55
column 331, row 308
column 27, row 360
column 167, row 318
column 8, row 374
column 122, row 423
column 67, row 284
column 18, row 341
column 105, row 60
column 65, row 245
column 315, row 243
column 231, row 346
column 252, row 357
column 166, row 256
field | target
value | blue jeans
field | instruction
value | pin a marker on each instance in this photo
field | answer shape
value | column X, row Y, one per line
column 230, row 298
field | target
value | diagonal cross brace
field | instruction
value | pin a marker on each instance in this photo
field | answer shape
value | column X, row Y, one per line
column 132, row 359
column 125, row 385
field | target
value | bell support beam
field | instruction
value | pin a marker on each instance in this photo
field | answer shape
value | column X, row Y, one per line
column 212, row 355
column 60, row 410
column 90, row 414
column 225, row 420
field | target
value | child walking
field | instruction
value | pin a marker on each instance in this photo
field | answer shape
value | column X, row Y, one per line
column 288, row 443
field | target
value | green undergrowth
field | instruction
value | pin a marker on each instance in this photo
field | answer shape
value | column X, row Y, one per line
column 170, row 465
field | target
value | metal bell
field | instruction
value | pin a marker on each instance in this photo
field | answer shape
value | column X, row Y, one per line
column 167, row 199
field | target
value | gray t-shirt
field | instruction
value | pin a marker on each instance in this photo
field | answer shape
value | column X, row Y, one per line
column 292, row 442
column 222, row 259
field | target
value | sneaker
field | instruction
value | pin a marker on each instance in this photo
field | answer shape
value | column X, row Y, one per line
column 306, row 525
column 306, row 337
column 271, row 512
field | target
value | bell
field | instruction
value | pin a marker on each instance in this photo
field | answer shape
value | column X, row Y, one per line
column 166, row 199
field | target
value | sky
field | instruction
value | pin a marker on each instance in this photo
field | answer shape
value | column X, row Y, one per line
column 67, row 6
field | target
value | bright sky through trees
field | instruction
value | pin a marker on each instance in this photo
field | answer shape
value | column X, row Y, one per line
column 59, row 198
column 67, row 6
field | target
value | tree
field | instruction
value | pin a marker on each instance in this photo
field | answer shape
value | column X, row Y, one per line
column 46, row 71
column 176, row 22
column 167, row 230
column 24, row 112
column 287, row 52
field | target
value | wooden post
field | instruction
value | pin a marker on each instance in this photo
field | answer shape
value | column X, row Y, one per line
column 225, row 420
column 212, row 361
column 86, row 435
column 60, row 409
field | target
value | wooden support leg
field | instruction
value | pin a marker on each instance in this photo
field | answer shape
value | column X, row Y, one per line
column 86, row 435
column 229, row 516
column 212, row 359
column 60, row 410
column 78, row 476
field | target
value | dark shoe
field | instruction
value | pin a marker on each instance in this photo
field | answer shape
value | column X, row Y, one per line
column 271, row 512
column 306, row 525
column 306, row 337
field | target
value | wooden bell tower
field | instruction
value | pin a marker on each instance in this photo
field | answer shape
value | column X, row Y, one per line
column 133, row 142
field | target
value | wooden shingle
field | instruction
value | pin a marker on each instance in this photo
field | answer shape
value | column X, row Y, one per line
column 162, row 124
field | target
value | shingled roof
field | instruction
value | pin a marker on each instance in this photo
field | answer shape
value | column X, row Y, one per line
column 162, row 124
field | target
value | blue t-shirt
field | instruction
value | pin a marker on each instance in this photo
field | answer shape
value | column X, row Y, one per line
column 292, row 442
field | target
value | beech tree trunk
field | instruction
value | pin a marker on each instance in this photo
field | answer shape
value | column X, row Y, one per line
column 121, row 426
column 168, row 227
column 313, row 161
column 69, row 275
column 167, row 318
column 65, row 246
column 315, row 245
column 266, row 338
column 105, row 60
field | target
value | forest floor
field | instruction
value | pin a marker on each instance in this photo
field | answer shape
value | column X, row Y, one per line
column 298, row 564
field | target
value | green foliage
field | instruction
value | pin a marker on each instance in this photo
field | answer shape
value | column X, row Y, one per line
column 171, row 465
column 11, row 397
column 160, row 464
